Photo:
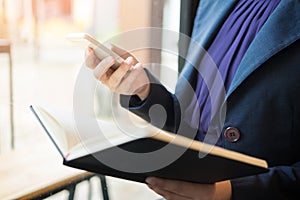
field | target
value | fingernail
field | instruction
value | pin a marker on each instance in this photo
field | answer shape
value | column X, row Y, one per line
column 89, row 49
column 128, row 60
column 109, row 59
column 151, row 181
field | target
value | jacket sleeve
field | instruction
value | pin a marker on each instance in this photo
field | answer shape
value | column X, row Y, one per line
column 159, row 108
column 281, row 182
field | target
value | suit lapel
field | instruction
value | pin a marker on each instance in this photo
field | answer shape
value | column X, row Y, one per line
column 210, row 16
column 281, row 29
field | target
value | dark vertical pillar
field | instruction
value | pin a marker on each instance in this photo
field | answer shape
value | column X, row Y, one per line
column 188, row 11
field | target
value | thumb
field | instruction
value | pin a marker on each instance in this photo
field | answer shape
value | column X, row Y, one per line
column 122, row 52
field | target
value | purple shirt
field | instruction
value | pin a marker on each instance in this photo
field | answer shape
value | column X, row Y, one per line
column 227, row 51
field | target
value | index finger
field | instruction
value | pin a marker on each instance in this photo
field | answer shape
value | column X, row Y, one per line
column 179, row 187
column 103, row 67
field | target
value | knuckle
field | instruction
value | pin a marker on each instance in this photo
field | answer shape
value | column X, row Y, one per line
column 124, row 67
column 103, row 80
column 111, row 87
column 113, row 81
column 92, row 61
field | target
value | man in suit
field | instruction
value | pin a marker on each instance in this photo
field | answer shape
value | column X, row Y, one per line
column 262, row 95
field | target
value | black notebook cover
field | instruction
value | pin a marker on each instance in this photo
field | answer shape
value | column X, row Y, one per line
column 161, row 156
column 188, row 167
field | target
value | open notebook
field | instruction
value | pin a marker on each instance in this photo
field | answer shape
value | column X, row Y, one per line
column 104, row 147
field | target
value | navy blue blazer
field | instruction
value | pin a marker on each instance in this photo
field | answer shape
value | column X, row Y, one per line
column 263, row 101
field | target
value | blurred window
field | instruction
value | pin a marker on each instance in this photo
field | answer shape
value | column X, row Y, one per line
column 46, row 66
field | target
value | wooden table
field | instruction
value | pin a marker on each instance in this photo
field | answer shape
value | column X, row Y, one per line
column 29, row 172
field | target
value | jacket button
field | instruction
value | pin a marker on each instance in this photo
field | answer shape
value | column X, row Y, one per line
column 232, row 134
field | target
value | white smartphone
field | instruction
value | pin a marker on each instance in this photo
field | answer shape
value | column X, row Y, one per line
column 100, row 49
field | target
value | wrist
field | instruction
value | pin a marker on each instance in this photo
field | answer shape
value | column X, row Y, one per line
column 143, row 92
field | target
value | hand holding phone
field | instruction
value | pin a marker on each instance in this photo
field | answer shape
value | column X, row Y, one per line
column 134, row 83
column 100, row 49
